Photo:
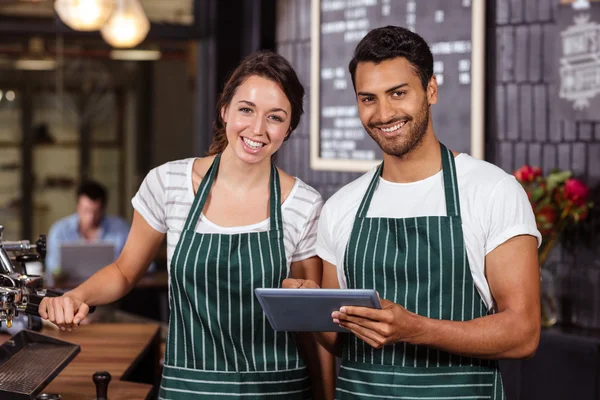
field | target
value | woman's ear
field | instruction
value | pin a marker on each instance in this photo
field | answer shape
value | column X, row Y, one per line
column 224, row 114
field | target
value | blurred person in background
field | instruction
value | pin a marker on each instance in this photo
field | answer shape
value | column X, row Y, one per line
column 88, row 223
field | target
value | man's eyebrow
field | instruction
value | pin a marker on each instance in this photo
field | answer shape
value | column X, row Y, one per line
column 392, row 89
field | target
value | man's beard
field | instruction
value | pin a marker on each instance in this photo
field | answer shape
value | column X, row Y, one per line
column 406, row 142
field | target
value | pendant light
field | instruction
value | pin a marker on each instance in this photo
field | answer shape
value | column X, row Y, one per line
column 128, row 25
column 84, row 15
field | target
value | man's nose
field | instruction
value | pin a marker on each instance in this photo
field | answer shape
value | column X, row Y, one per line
column 386, row 111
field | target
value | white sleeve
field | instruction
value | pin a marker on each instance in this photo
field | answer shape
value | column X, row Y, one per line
column 308, row 237
column 325, row 244
column 508, row 214
column 150, row 199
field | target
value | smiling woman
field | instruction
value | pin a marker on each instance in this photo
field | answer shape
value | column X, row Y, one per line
column 233, row 222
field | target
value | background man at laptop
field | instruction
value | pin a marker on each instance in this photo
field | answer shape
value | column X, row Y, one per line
column 89, row 223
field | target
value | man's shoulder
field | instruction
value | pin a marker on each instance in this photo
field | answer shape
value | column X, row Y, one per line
column 478, row 173
column 66, row 223
column 349, row 196
column 117, row 224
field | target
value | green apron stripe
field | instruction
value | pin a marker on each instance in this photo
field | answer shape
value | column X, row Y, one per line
column 396, row 247
column 231, row 284
column 184, row 309
column 242, row 340
column 361, row 395
column 406, row 268
column 194, row 314
column 252, row 328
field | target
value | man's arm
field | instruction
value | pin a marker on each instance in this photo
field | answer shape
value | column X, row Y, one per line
column 512, row 272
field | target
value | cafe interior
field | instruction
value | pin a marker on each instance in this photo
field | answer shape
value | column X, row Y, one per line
column 107, row 90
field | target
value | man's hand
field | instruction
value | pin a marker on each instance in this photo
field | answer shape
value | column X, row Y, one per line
column 392, row 324
column 291, row 283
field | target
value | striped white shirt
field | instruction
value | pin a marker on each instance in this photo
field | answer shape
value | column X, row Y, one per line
column 166, row 195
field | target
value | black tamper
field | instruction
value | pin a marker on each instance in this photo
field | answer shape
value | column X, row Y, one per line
column 101, row 379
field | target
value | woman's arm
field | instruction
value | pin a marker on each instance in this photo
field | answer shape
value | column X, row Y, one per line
column 320, row 363
column 111, row 282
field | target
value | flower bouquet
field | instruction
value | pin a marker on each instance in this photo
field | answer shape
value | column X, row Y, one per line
column 559, row 201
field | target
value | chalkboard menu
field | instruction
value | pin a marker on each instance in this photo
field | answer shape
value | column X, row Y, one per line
column 578, row 63
column 338, row 139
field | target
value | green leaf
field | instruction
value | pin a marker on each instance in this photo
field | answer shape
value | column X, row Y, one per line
column 557, row 178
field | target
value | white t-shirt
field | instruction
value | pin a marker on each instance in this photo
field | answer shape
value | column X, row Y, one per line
column 493, row 205
column 165, row 198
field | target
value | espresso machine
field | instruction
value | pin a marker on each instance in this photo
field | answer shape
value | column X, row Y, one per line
column 21, row 292
column 28, row 360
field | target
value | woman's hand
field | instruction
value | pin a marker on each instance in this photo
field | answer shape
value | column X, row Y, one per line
column 291, row 283
column 65, row 311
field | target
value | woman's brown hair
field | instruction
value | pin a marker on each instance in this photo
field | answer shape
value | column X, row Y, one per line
column 268, row 65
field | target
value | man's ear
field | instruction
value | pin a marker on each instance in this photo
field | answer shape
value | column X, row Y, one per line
column 432, row 91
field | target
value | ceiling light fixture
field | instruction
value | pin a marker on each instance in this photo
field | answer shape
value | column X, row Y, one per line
column 84, row 15
column 128, row 25
column 135, row 55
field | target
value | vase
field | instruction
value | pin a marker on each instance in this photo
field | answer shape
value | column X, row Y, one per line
column 549, row 298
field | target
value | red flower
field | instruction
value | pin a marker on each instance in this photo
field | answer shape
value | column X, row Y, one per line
column 527, row 173
column 576, row 191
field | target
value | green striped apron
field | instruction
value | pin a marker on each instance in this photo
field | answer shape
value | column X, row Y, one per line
column 420, row 263
column 220, row 344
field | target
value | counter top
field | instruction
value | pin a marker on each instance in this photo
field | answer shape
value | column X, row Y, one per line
column 116, row 348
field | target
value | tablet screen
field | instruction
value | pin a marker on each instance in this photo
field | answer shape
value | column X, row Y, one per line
column 309, row 310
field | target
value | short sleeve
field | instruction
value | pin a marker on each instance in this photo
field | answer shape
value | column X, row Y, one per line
column 150, row 199
column 508, row 214
column 325, row 245
column 308, row 237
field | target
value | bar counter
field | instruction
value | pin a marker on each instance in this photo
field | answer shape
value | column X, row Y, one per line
column 129, row 352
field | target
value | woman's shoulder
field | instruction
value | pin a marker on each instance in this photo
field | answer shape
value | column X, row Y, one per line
column 201, row 165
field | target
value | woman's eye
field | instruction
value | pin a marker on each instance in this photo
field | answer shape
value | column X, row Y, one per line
column 276, row 118
column 246, row 110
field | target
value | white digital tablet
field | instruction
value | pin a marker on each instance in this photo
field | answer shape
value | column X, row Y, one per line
column 309, row 310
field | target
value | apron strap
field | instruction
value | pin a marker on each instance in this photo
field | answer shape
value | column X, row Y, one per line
column 202, row 195
column 204, row 190
column 450, row 186
column 366, row 201
column 450, row 182
column 275, row 200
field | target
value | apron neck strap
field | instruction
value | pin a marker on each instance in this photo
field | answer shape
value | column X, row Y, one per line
column 207, row 182
column 450, row 182
column 450, row 186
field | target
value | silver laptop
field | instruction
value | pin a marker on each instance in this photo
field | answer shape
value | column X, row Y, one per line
column 80, row 260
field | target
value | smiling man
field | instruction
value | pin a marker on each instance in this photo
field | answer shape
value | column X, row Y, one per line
column 448, row 241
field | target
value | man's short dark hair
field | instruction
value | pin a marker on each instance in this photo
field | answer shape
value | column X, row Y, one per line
column 93, row 190
column 389, row 42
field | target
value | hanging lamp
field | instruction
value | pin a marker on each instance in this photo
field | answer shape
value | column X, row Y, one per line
column 84, row 15
column 127, row 26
